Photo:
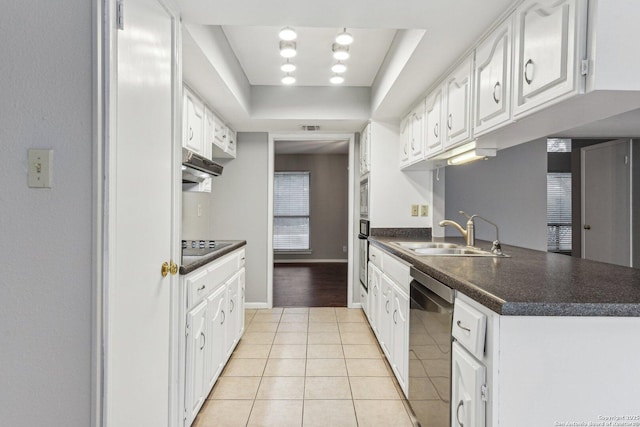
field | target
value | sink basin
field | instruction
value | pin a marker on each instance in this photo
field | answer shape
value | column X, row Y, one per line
column 444, row 249
column 426, row 245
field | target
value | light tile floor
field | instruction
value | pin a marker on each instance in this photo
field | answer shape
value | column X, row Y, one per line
column 306, row 367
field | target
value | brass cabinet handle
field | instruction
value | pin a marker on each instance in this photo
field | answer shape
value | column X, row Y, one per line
column 164, row 270
column 173, row 268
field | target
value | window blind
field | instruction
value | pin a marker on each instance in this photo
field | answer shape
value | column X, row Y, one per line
column 559, row 212
column 291, row 211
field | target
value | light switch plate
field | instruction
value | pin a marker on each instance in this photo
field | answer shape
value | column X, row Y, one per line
column 424, row 210
column 40, row 168
column 414, row 210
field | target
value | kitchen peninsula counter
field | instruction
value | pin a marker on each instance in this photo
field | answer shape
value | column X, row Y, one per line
column 530, row 282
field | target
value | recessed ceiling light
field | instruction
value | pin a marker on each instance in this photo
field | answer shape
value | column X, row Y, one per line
column 288, row 80
column 344, row 38
column 339, row 67
column 340, row 52
column 336, row 80
column 288, row 34
column 288, row 67
column 287, row 49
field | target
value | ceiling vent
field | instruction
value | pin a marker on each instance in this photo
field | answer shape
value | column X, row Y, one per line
column 311, row 128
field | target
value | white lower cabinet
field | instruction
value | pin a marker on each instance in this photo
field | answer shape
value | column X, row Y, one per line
column 389, row 308
column 214, row 323
column 468, row 379
column 196, row 333
column 400, row 349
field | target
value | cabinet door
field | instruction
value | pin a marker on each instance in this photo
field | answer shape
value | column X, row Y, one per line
column 219, row 134
column 416, row 139
column 195, row 359
column 405, row 136
column 458, row 87
column 467, row 379
column 209, row 130
column 547, row 51
column 194, row 122
column 232, row 331
column 364, row 300
column 231, row 142
column 241, row 292
column 493, row 80
column 373, row 277
column 385, row 319
column 400, row 355
column 215, row 357
column 433, row 118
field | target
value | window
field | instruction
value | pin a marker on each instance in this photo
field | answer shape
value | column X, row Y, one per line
column 559, row 212
column 291, row 211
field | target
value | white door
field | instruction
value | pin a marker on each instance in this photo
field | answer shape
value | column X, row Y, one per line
column 606, row 202
column 139, row 220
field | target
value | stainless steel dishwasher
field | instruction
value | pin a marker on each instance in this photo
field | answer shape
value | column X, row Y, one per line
column 431, row 316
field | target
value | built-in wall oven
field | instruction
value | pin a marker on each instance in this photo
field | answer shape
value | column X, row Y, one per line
column 431, row 317
column 363, row 251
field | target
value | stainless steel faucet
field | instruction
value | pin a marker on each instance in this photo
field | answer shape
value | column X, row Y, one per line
column 470, row 233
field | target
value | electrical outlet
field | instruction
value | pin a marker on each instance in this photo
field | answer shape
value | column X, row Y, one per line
column 424, row 210
column 414, row 210
column 40, row 168
column 344, row 249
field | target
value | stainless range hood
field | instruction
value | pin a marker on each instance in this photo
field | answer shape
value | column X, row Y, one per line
column 196, row 168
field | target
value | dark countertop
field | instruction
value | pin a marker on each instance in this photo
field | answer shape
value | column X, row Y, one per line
column 530, row 282
column 192, row 263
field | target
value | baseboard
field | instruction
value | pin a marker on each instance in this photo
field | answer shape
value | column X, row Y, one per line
column 305, row 261
column 256, row 305
column 355, row 305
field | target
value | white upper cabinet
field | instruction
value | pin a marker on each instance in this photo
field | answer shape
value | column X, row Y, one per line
column 458, row 89
column 412, row 136
column 405, row 143
column 365, row 149
column 416, row 139
column 193, row 127
column 493, row 79
column 549, row 47
column 432, row 125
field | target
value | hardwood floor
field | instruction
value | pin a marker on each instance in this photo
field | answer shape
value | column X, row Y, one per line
column 310, row 285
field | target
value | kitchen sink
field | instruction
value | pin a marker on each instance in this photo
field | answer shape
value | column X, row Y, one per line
column 444, row 249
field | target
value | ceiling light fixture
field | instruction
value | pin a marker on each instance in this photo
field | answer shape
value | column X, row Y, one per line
column 288, row 79
column 336, row 80
column 288, row 67
column 340, row 52
column 344, row 38
column 288, row 34
column 339, row 67
column 287, row 49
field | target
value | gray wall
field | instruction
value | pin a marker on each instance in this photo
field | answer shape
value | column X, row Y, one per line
column 45, row 242
column 509, row 189
column 329, row 193
column 239, row 208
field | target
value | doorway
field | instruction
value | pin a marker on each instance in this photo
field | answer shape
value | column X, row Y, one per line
column 606, row 202
column 310, row 224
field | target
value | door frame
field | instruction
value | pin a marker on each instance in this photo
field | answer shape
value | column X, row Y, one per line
column 273, row 138
column 583, row 150
column 104, row 59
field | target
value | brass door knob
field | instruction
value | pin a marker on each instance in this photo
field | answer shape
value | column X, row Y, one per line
column 174, row 268
column 165, row 269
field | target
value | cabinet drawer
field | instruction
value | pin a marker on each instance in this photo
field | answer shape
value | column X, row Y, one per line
column 397, row 270
column 198, row 287
column 375, row 256
column 224, row 268
column 469, row 327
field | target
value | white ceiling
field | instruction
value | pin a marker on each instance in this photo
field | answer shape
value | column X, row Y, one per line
column 257, row 51
column 312, row 147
